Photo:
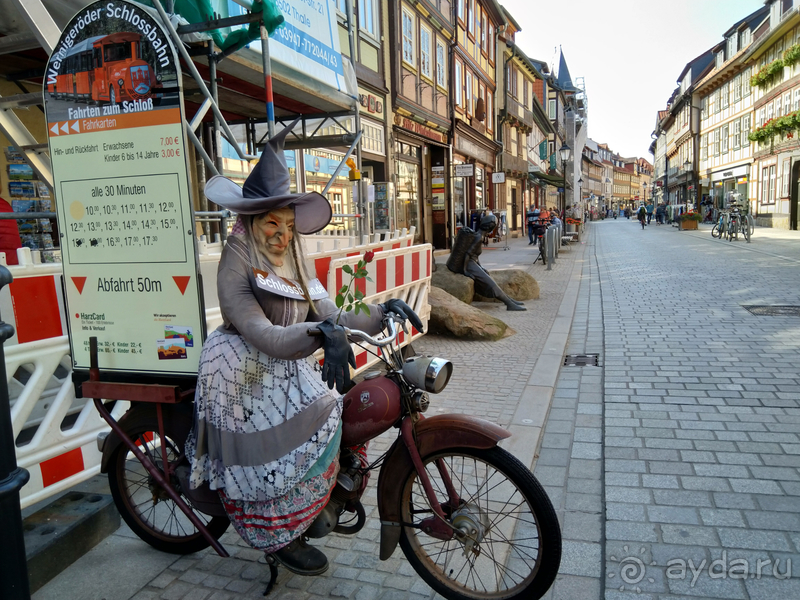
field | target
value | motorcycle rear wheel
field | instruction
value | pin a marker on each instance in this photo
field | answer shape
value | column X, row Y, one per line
column 145, row 506
column 517, row 554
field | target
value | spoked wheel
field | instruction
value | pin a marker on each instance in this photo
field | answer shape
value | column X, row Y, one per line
column 145, row 505
column 715, row 231
column 506, row 542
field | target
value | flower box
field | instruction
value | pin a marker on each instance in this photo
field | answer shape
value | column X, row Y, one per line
column 688, row 224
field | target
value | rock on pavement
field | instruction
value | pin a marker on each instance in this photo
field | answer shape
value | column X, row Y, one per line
column 450, row 315
column 459, row 286
column 518, row 284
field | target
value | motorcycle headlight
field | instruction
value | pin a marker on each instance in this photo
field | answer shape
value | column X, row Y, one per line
column 429, row 374
column 121, row 82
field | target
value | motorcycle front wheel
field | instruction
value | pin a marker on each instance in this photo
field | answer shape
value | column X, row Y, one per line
column 145, row 506
column 509, row 542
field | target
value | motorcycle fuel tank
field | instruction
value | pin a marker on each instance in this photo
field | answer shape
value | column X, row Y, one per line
column 370, row 408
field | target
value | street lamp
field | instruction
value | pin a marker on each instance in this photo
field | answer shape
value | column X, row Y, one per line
column 564, row 152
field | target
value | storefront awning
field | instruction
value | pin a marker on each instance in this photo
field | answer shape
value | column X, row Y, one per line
column 554, row 180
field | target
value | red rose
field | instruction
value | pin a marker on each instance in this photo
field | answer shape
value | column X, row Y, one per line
column 368, row 256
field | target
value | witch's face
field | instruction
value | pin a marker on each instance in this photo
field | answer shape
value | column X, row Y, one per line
column 277, row 230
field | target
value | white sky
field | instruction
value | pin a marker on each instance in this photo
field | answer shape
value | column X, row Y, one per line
column 629, row 52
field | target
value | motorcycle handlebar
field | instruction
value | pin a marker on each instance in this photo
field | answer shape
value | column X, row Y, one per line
column 389, row 320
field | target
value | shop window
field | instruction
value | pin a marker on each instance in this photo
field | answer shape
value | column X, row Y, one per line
column 407, row 194
column 480, row 188
column 425, row 51
column 408, row 38
column 459, row 196
column 441, row 65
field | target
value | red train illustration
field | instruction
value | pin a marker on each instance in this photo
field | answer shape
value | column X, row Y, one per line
column 105, row 69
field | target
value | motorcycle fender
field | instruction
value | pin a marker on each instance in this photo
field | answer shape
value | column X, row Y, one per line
column 177, row 419
column 433, row 434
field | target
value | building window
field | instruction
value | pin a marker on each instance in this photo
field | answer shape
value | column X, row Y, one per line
column 725, row 131
column 441, row 65
column 367, row 15
column 459, row 84
column 746, row 83
column 785, row 178
column 787, row 102
column 484, row 47
column 778, row 107
column 737, row 134
column 425, row 51
column 468, row 94
column 408, row 38
column 796, row 99
column 724, row 95
column 769, row 111
column 372, row 140
column 461, row 8
column 525, row 85
column 745, row 131
column 471, row 18
column 552, row 109
column 771, row 196
column 703, row 147
column 341, row 6
column 490, row 41
column 716, row 142
column 489, row 109
column 765, row 185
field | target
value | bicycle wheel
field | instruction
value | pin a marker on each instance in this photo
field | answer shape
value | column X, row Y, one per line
column 508, row 544
column 715, row 231
column 751, row 226
column 746, row 230
column 145, row 506
column 543, row 250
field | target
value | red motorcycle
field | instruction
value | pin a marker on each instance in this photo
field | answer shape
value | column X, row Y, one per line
column 472, row 520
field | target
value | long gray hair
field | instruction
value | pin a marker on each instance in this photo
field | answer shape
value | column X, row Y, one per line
column 255, row 240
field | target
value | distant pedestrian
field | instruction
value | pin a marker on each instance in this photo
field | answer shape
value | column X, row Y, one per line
column 660, row 212
column 641, row 214
column 531, row 218
column 649, row 212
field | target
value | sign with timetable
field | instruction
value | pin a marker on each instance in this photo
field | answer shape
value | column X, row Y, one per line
column 115, row 128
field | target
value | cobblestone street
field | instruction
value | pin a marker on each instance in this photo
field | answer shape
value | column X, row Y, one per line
column 681, row 445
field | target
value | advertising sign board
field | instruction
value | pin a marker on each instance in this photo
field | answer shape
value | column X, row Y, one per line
column 465, row 170
column 308, row 40
column 115, row 128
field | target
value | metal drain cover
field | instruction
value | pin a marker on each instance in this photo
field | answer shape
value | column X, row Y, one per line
column 581, row 360
column 777, row 310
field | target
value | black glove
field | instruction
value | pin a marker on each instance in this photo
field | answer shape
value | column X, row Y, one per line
column 404, row 311
column 338, row 353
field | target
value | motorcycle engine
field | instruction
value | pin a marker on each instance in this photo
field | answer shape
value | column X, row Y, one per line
column 350, row 485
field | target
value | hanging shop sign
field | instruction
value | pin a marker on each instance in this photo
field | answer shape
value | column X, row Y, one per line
column 499, row 177
column 114, row 117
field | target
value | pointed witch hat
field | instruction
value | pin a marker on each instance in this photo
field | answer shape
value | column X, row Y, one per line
column 267, row 188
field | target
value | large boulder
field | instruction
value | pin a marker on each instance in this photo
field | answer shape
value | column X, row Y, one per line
column 460, row 286
column 518, row 284
column 451, row 316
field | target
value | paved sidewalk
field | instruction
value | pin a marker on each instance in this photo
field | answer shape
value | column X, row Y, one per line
column 694, row 491
column 510, row 382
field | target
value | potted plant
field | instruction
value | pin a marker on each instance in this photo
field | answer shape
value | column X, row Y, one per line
column 689, row 220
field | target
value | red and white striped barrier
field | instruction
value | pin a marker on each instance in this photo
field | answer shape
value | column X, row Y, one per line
column 57, row 433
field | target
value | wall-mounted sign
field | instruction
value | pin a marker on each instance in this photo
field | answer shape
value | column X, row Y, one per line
column 499, row 177
column 122, row 192
column 465, row 170
column 420, row 129
column 370, row 103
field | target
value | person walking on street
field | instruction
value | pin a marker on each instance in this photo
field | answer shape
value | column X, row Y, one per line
column 531, row 218
column 641, row 214
column 649, row 212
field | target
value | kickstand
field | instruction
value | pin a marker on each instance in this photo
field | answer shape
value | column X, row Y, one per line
column 273, row 575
